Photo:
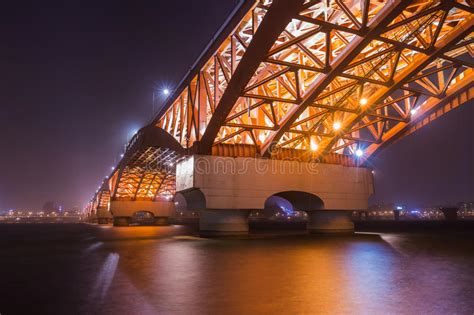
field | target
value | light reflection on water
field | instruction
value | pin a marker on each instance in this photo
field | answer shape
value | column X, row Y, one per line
column 105, row 277
column 149, row 270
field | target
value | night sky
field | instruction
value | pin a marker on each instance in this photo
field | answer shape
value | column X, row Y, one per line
column 77, row 79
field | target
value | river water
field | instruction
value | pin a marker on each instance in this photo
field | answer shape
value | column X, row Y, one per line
column 87, row 269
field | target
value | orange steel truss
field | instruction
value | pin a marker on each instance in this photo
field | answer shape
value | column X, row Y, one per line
column 147, row 170
column 327, row 77
column 190, row 112
column 148, row 175
column 103, row 199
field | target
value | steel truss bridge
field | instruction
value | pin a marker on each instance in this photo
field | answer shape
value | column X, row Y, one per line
column 334, row 80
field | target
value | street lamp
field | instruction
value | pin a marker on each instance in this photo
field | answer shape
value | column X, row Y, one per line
column 165, row 92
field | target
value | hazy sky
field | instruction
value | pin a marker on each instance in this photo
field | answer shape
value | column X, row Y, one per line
column 77, row 80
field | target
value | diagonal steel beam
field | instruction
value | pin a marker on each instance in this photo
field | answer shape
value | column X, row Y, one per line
column 351, row 51
column 425, row 110
column 413, row 69
column 278, row 16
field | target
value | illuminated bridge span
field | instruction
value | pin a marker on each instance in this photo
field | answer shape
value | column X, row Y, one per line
column 143, row 181
column 329, row 80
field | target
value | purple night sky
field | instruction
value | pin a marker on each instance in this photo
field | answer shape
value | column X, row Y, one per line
column 78, row 77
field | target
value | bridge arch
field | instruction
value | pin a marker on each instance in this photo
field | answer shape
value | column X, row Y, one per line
column 143, row 217
column 292, row 200
column 147, row 169
column 191, row 200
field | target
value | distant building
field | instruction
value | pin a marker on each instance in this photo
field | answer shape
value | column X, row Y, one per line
column 50, row 207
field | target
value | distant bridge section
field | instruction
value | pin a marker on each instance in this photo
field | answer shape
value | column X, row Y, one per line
column 144, row 179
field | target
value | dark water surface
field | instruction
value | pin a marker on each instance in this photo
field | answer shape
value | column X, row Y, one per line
column 86, row 269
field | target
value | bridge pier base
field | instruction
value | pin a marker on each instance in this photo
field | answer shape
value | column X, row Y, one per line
column 330, row 221
column 124, row 210
column 161, row 221
column 223, row 222
column 92, row 219
column 103, row 220
column 103, row 216
column 122, row 221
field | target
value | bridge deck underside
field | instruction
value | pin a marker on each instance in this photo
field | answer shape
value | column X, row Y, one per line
column 148, row 175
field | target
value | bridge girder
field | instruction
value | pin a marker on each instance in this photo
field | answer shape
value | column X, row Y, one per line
column 149, row 175
column 147, row 169
column 323, row 76
column 432, row 109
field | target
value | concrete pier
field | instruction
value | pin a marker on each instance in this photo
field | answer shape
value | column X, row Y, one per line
column 225, row 189
column 161, row 221
column 104, row 216
column 124, row 210
column 330, row 221
column 122, row 221
column 223, row 222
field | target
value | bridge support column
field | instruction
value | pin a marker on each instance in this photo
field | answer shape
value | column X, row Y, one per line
column 124, row 210
column 103, row 216
column 102, row 220
column 122, row 221
column 161, row 221
column 330, row 221
column 223, row 222
column 92, row 218
column 237, row 185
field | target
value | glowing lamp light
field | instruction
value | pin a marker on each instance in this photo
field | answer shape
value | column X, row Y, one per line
column 413, row 111
column 166, row 92
column 261, row 137
column 363, row 101
column 121, row 155
column 132, row 132
column 359, row 152
column 336, row 125
column 112, row 168
column 314, row 146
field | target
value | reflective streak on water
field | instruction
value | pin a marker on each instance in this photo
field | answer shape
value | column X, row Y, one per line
column 88, row 269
